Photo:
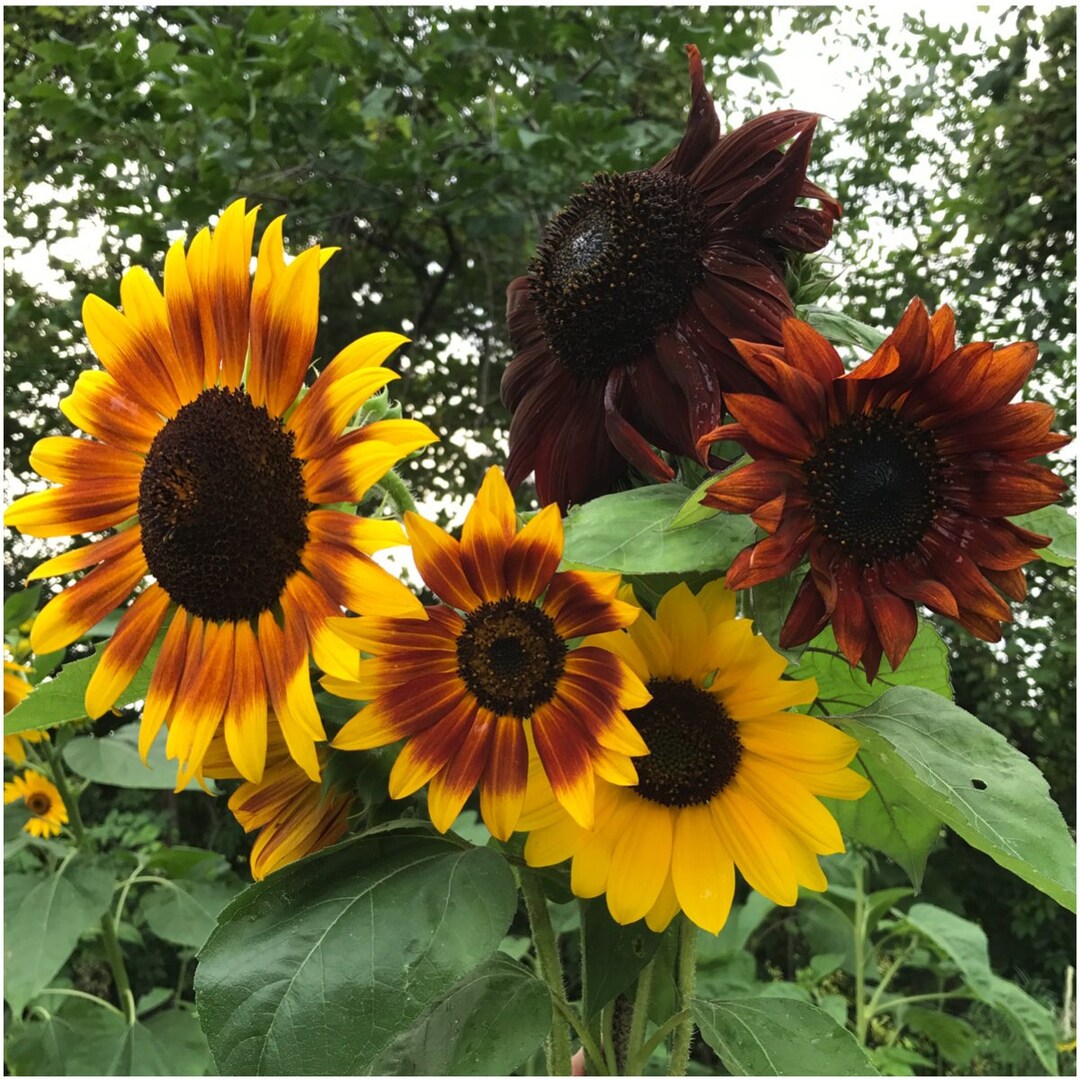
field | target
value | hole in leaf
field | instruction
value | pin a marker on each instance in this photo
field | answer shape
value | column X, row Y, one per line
column 979, row 785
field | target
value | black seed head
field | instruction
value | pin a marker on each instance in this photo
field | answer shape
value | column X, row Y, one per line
column 694, row 747
column 510, row 657
column 222, row 507
column 616, row 265
column 875, row 485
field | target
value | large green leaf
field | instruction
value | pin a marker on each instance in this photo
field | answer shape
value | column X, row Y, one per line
column 778, row 1036
column 185, row 912
column 889, row 818
column 1057, row 523
column 841, row 329
column 43, row 928
column 62, row 698
column 487, row 1025
column 630, row 532
column 79, row 1038
column 114, row 759
column 842, row 688
column 373, row 932
column 966, row 946
column 974, row 780
column 614, row 955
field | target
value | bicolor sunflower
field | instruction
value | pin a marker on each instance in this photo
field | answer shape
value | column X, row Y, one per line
column 223, row 488
column 622, row 326
column 295, row 815
column 731, row 781
column 477, row 680
column 41, row 798
column 896, row 480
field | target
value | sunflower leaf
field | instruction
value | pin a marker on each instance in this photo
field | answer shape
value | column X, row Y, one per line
column 18, row 607
column 630, row 532
column 779, row 1036
column 841, row 329
column 114, row 759
column 970, row 777
column 61, row 699
column 375, row 932
column 614, row 955
column 41, row 930
column 1057, row 523
column 487, row 1025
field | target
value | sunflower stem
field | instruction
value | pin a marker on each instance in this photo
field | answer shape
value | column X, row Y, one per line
column 686, row 974
column 640, row 1020
column 862, row 1014
column 111, row 941
column 547, row 956
column 657, row 1037
column 398, row 491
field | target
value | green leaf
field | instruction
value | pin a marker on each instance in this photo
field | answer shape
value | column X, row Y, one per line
column 79, row 1038
column 842, row 688
column 614, row 955
column 974, row 780
column 841, row 329
column 186, row 912
column 631, row 532
column 777, row 1036
column 954, row 1036
column 487, row 1025
column 966, row 946
column 882, row 901
column 1057, row 523
column 114, row 759
column 62, row 698
column 373, row 931
column 42, row 930
column 19, row 606
column 888, row 818
column 770, row 603
column 691, row 511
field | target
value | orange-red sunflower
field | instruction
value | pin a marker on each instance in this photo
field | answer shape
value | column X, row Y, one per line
column 219, row 484
column 472, row 682
column 732, row 779
column 295, row 815
column 622, row 327
column 895, row 479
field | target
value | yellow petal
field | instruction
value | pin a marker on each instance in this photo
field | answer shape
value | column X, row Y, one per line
column 701, row 869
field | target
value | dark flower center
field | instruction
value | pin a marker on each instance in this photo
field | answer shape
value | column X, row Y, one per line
column 875, row 485
column 39, row 803
column 222, row 507
column 694, row 747
column 510, row 657
column 616, row 265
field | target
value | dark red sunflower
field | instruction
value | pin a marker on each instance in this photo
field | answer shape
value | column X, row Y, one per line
column 896, row 479
column 622, row 327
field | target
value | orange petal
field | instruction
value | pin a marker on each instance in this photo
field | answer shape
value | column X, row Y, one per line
column 228, row 287
column 61, row 459
column 126, row 650
column 245, row 715
column 78, row 507
column 183, row 316
column 100, row 407
column 534, row 554
column 567, row 760
column 438, row 558
column 88, row 555
column 502, row 787
column 352, row 580
column 431, row 749
column 456, row 782
column 165, row 680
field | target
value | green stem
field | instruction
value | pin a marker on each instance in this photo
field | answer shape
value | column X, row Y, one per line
column 547, row 956
column 399, row 493
column 113, row 952
column 886, row 978
column 687, row 971
column 607, row 1043
column 587, row 1041
column 640, row 1020
column 914, row 999
column 862, row 1016
column 62, row 991
column 657, row 1037
column 71, row 803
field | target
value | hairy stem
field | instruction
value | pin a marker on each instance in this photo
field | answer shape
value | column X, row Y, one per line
column 685, row 977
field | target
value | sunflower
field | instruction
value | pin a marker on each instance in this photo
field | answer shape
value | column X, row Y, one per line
column 16, row 689
column 622, row 326
column 295, row 815
column 219, row 485
column 896, row 479
column 731, row 781
column 473, row 691
column 41, row 799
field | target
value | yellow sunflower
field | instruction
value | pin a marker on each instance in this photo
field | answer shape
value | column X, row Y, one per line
column 41, row 799
column 221, row 487
column 478, row 682
column 16, row 688
column 731, row 779
column 294, row 814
